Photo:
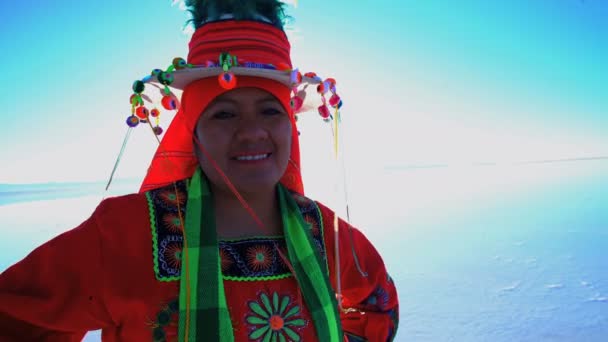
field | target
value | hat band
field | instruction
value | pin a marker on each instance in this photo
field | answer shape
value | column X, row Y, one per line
column 249, row 40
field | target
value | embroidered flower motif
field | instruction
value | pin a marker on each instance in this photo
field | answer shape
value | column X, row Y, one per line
column 165, row 325
column 225, row 260
column 302, row 201
column 171, row 197
column 258, row 257
column 173, row 255
column 274, row 321
column 378, row 299
column 314, row 226
column 172, row 223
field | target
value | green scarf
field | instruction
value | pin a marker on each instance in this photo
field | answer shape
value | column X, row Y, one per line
column 202, row 285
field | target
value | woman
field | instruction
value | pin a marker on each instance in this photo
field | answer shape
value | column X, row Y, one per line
column 220, row 243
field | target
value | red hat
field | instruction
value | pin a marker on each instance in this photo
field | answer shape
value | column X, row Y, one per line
column 224, row 55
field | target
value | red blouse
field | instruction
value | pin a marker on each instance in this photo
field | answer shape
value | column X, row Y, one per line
column 119, row 271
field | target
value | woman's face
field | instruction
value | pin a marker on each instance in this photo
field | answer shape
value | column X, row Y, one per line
column 247, row 132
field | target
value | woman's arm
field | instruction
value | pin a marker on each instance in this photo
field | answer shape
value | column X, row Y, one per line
column 56, row 292
column 370, row 303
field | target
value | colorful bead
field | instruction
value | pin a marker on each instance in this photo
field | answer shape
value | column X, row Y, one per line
column 224, row 58
column 334, row 100
column 296, row 103
column 227, row 80
column 138, row 87
column 296, row 78
column 157, row 130
column 154, row 113
column 156, row 72
column 321, row 88
column 165, row 78
column 227, row 61
column 326, row 87
column 134, row 99
column 142, row 112
column 179, row 63
column 324, row 112
column 132, row 121
column 169, row 102
column 313, row 76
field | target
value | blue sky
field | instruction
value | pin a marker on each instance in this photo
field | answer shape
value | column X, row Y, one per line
column 424, row 82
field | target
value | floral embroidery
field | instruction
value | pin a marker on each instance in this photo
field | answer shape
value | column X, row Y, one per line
column 258, row 257
column 225, row 260
column 314, row 225
column 312, row 215
column 248, row 259
column 166, row 231
column 173, row 255
column 276, row 321
column 171, row 198
column 165, row 325
column 252, row 258
column 173, row 223
column 378, row 300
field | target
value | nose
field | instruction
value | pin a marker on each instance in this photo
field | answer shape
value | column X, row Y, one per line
column 251, row 129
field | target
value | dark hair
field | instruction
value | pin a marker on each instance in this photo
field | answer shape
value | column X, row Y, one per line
column 267, row 11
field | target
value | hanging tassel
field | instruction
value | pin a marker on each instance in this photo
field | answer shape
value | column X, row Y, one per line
column 119, row 157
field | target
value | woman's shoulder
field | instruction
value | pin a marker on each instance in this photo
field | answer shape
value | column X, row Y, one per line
column 126, row 214
column 120, row 205
column 136, row 203
column 346, row 231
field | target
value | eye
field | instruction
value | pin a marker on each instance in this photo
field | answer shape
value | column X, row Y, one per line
column 222, row 115
column 272, row 111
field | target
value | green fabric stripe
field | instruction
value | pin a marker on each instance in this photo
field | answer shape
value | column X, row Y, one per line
column 209, row 315
column 192, row 237
column 314, row 283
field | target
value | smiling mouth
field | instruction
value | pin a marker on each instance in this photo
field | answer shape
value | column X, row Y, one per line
column 253, row 157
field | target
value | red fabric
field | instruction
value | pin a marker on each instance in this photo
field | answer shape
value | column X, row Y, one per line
column 175, row 159
column 249, row 41
column 100, row 275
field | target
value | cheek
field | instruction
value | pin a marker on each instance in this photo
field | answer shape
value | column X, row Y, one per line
column 213, row 141
column 284, row 135
column 211, row 137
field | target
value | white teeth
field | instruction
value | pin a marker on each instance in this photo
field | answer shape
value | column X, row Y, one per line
column 256, row 157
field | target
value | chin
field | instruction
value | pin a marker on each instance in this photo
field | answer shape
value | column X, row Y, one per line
column 256, row 186
column 262, row 181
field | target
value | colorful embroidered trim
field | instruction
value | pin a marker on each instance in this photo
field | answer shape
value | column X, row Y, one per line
column 167, row 240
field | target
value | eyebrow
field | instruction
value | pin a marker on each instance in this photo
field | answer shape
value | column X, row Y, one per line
column 232, row 101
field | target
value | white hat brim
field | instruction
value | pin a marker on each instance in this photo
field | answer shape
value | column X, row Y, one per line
column 183, row 77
